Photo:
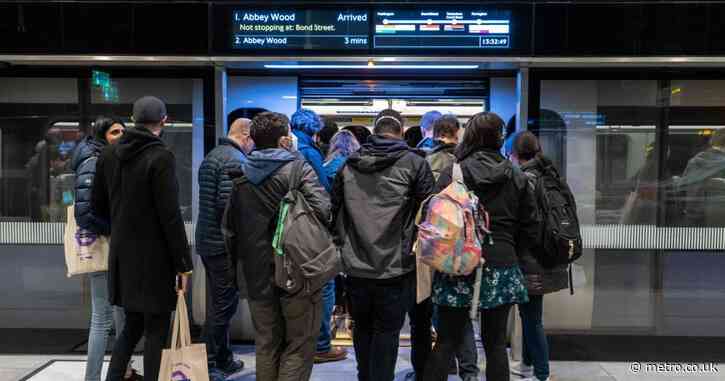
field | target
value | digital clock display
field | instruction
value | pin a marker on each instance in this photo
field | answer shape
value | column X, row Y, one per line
column 442, row 28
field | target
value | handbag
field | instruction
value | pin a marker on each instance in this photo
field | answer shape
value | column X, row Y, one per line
column 183, row 360
column 85, row 251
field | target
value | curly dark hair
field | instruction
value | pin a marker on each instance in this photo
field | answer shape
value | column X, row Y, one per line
column 267, row 128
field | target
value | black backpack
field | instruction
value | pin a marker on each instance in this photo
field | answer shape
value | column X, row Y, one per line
column 561, row 239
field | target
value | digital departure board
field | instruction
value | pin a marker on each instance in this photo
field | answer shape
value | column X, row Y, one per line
column 300, row 29
column 438, row 28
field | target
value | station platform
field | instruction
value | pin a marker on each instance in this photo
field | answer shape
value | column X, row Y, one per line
column 72, row 367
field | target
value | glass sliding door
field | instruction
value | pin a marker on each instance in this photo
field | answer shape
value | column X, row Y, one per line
column 642, row 154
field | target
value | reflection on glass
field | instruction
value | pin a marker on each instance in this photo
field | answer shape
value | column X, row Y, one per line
column 702, row 185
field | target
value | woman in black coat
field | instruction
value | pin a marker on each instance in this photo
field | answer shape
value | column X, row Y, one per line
column 539, row 280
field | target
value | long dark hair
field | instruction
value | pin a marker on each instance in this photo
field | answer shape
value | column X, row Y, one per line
column 102, row 125
column 484, row 130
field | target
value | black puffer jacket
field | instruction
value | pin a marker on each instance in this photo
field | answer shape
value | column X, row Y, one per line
column 250, row 219
column 375, row 198
column 504, row 191
column 215, row 186
column 84, row 165
column 137, row 190
column 539, row 279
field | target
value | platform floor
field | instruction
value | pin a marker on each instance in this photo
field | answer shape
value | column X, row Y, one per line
column 71, row 368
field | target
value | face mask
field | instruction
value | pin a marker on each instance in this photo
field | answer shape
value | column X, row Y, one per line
column 293, row 145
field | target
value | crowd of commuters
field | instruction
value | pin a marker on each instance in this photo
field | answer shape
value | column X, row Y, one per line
column 367, row 188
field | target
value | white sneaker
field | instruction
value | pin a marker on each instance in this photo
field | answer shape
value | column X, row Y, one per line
column 522, row 370
column 533, row 378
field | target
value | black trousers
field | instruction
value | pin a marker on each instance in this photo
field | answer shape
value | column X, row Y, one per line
column 222, row 302
column 421, row 316
column 378, row 308
column 156, row 330
column 287, row 329
column 451, row 331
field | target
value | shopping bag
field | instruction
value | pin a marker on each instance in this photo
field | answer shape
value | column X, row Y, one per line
column 183, row 361
column 85, row 251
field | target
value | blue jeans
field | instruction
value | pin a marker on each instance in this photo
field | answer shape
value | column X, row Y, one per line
column 535, row 348
column 328, row 304
column 102, row 316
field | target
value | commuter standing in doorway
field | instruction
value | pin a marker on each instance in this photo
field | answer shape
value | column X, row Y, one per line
column 286, row 325
column 136, row 189
column 442, row 157
column 505, row 193
column 215, row 185
column 375, row 198
column 305, row 126
column 325, row 135
column 526, row 151
column 105, row 131
column 426, row 129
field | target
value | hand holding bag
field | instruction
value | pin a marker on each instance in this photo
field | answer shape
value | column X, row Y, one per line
column 184, row 361
column 85, row 251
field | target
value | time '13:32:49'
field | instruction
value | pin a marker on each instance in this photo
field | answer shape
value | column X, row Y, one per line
column 494, row 41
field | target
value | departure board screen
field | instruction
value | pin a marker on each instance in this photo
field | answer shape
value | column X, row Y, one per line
column 300, row 29
column 449, row 28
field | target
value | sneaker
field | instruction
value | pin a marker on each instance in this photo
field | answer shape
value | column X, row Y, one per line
column 522, row 370
column 533, row 378
column 216, row 375
column 134, row 376
column 334, row 354
column 234, row 366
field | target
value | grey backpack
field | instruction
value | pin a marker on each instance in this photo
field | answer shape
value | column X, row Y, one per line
column 305, row 256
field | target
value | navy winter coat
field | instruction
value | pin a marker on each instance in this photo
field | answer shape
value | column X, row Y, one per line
column 215, row 186
column 84, row 165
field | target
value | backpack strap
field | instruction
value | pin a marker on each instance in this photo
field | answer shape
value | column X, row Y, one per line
column 296, row 177
column 457, row 173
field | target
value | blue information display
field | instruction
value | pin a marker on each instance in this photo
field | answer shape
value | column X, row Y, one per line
column 449, row 28
column 300, row 29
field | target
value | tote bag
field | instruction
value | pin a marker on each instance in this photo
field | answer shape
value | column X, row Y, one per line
column 183, row 361
column 85, row 251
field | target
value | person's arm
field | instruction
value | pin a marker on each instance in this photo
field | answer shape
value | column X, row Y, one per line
column 529, row 234
column 316, row 161
column 165, row 188
column 314, row 193
column 424, row 183
column 229, row 228
column 337, row 198
column 100, row 203
column 224, row 185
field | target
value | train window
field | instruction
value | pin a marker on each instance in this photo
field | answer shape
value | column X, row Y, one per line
column 35, row 147
column 601, row 135
column 696, row 153
column 116, row 98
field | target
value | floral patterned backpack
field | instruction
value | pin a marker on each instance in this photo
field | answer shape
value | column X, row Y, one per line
column 451, row 234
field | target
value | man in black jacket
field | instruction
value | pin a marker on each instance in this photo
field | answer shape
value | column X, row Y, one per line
column 375, row 199
column 287, row 325
column 136, row 189
column 215, row 185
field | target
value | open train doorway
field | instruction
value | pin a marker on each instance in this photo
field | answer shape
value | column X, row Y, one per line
column 352, row 102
